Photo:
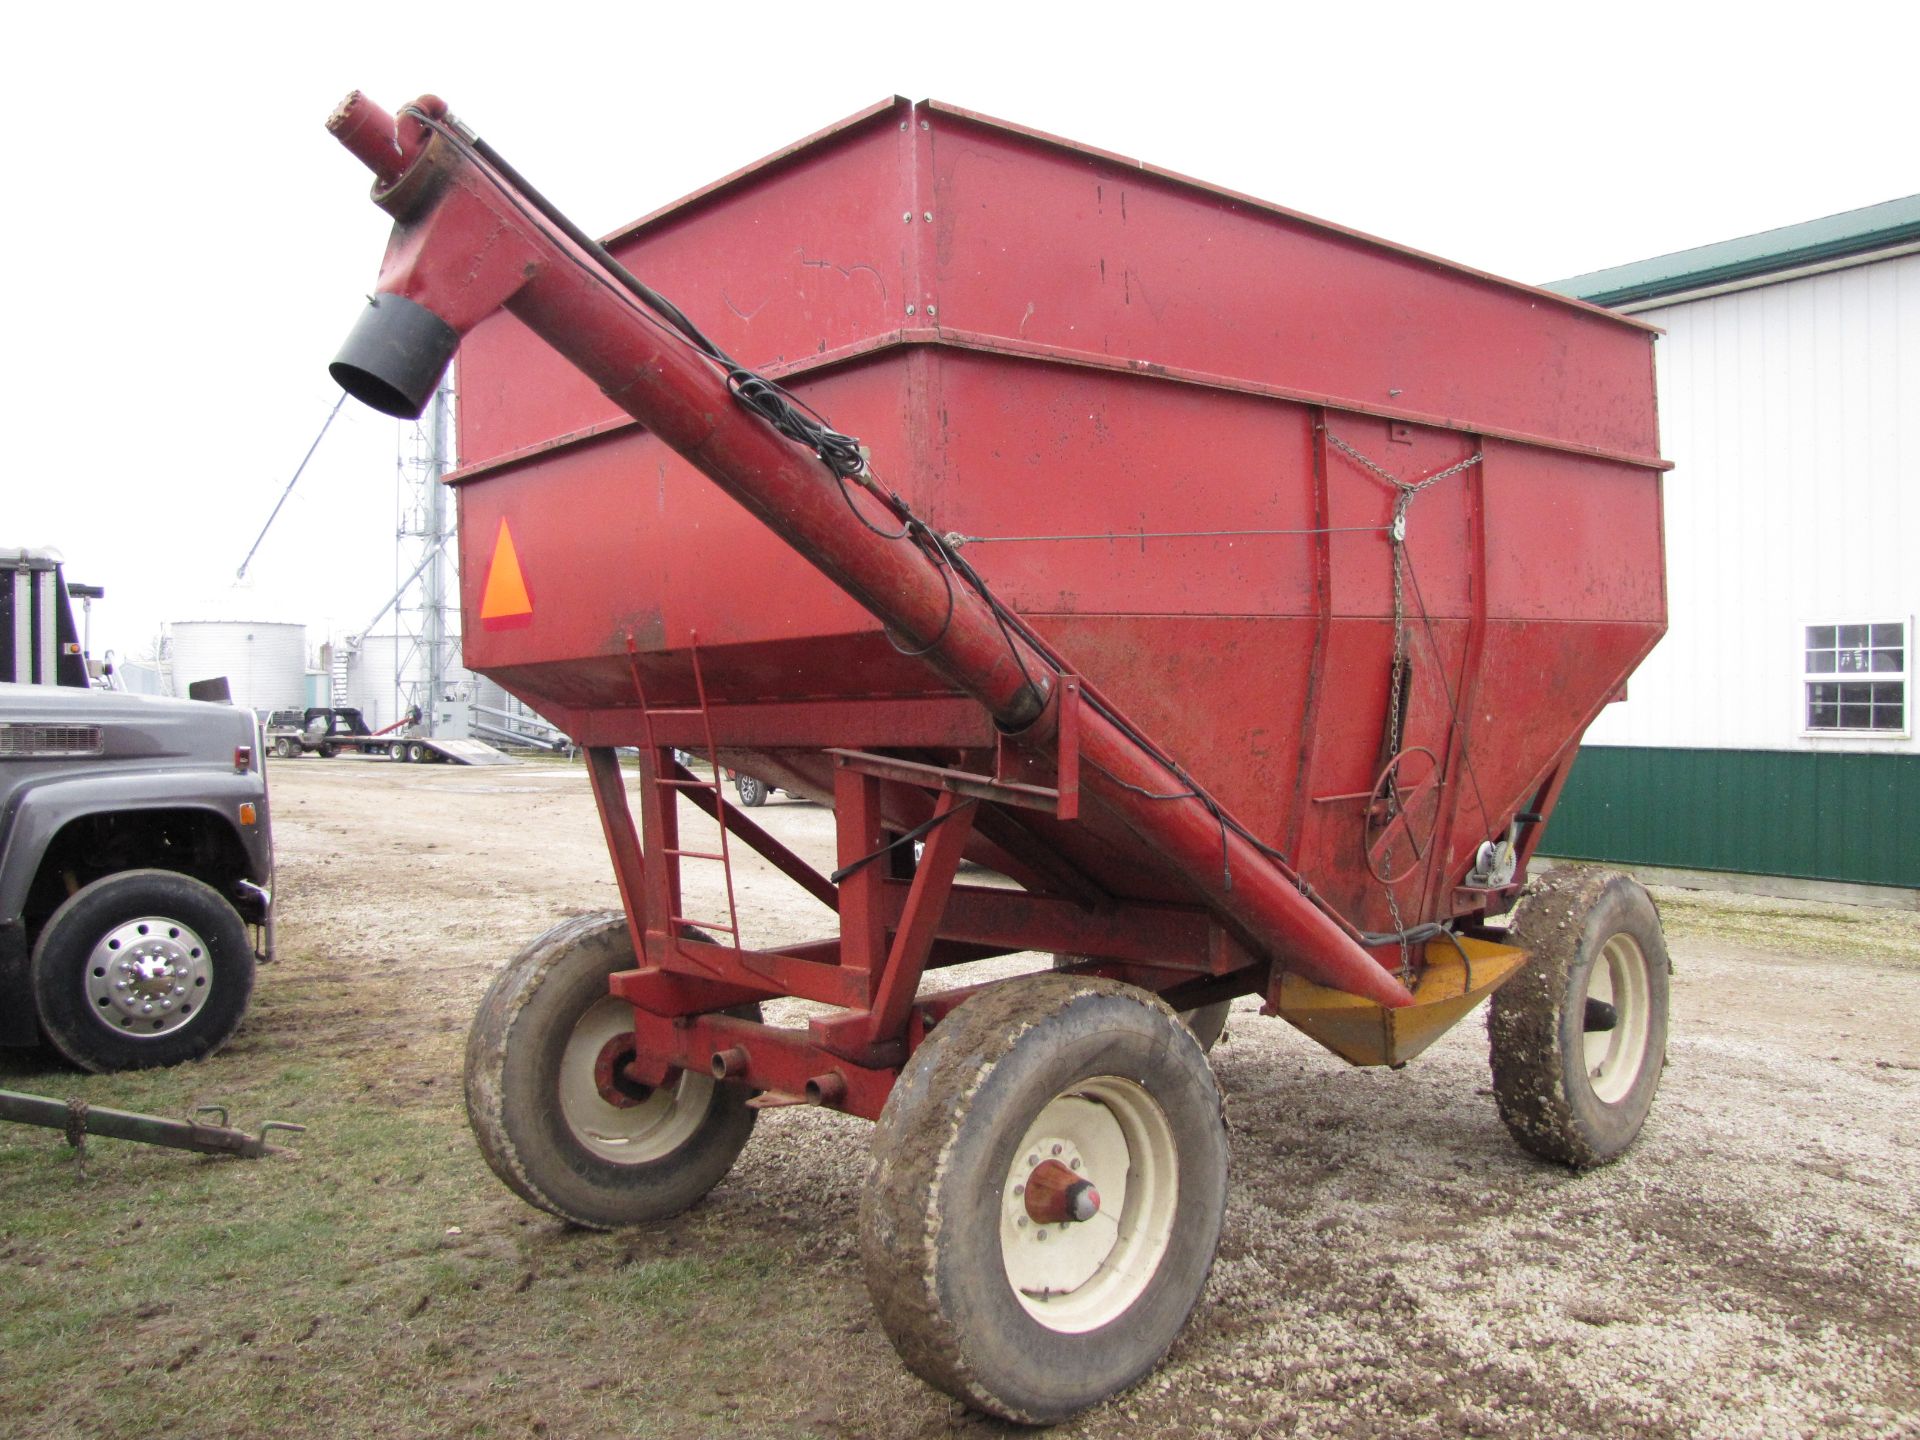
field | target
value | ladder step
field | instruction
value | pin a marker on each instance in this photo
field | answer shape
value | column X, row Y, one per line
column 697, row 854
column 687, row 784
column 675, row 711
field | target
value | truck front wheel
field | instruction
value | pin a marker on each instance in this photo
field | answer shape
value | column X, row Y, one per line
column 142, row 968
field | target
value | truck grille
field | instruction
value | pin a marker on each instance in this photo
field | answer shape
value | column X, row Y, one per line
column 47, row 742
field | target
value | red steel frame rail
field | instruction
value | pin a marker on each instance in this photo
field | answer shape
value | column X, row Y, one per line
column 892, row 931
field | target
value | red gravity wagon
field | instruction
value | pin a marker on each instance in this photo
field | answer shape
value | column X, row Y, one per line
column 1234, row 586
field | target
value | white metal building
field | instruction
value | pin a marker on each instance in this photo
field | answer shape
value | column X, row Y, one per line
column 1772, row 730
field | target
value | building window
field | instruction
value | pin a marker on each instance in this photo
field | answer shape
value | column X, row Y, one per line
column 1856, row 678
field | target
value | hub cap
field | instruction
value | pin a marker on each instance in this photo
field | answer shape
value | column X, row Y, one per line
column 1614, row 1057
column 148, row 977
column 1077, row 1275
column 630, row 1133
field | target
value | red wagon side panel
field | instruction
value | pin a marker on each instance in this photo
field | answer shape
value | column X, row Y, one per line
column 1170, row 422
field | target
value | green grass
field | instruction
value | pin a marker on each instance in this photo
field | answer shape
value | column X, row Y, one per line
column 1840, row 932
column 379, row 1282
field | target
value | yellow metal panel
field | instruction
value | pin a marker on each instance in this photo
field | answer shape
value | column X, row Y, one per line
column 1453, row 980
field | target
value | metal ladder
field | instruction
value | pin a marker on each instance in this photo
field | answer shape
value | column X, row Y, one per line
column 671, row 784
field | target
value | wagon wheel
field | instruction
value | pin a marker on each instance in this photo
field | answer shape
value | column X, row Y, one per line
column 1403, row 809
column 1579, row 1037
column 555, row 1117
column 1045, row 1195
column 1207, row 1022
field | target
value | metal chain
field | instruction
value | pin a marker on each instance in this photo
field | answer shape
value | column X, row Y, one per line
column 1404, row 491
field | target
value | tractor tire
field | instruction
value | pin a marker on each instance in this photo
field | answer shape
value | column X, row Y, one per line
column 1579, row 1037
column 1029, row 1318
column 543, row 1123
column 1208, row 1022
column 140, row 969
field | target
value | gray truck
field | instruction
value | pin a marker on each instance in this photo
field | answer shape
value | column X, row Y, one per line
column 136, row 854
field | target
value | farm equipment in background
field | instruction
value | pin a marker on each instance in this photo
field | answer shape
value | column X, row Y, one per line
column 1237, row 585
column 327, row 731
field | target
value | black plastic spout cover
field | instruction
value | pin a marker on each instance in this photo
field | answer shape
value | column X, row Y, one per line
column 395, row 356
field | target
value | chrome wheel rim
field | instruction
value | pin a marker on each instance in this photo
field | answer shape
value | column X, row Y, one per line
column 1614, row 1058
column 1075, row 1276
column 148, row 977
column 631, row 1134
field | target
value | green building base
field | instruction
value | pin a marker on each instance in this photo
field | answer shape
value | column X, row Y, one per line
column 1816, row 815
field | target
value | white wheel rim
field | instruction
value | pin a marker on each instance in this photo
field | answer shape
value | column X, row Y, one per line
column 1076, row 1276
column 630, row 1134
column 1614, row 1058
column 149, row 977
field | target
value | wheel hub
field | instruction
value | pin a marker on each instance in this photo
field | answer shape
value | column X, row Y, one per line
column 608, row 1112
column 148, row 977
column 1087, row 1207
column 1614, row 1017
column 612, row 1078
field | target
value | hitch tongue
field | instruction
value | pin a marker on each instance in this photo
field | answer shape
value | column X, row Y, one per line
column 79, row 1120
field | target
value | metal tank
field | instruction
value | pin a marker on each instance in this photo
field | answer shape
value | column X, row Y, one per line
column 265, row 661
column 375, row 684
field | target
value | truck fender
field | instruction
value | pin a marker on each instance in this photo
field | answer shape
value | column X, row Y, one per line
column 43, row 808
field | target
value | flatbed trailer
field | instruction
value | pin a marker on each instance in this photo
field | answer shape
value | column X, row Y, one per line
column 327, row 731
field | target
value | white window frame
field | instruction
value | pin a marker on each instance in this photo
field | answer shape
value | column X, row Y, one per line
column 1904, row 676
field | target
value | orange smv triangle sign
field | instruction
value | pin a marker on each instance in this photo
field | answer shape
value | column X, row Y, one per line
column 505, row 604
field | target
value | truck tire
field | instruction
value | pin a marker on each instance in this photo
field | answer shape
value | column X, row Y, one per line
column 285, row 748
column 1579, row 1037
column 1026, row 1317
column 416, row 752
column 142, row 968
column 544, row 1125
column 753, row 791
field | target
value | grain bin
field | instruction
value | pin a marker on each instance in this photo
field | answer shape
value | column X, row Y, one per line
column 264, row 661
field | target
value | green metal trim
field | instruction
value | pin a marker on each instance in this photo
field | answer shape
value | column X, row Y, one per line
column 1833, row 237
column 1810, row 814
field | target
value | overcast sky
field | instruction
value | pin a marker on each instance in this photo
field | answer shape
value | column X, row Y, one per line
column 186, row 247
